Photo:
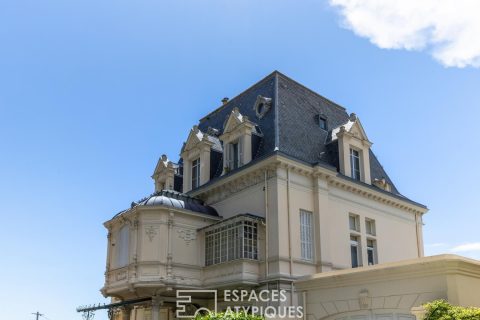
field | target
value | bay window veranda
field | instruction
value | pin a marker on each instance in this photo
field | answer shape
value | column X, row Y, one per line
column 233, row 239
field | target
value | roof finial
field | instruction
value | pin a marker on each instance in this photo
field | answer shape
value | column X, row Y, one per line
column 353, row 116
column 224, row 101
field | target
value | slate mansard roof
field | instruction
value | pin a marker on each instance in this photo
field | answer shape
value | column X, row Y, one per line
column 290, row 127
column 174, row 199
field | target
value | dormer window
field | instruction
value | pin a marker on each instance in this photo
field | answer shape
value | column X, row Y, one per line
column 237, row 141
column 196, row 156
column 355, row 164
column 262, row 106
column 195, row 173
column 353, row 150
column 322, row 122
column 234, row 154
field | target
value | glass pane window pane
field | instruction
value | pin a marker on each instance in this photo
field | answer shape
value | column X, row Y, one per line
column 354, row 255
column 353, row 221
column 355, row 164
column 370, row 226
column 306, row 235
column 355, row 251
column 195, row 173
column 371, row 252
column 237, row 240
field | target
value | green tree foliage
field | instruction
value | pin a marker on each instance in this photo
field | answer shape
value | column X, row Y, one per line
column 442, row 310
column 229, row 316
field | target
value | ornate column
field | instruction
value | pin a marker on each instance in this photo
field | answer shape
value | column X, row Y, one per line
column 125, row 312
column 169, row 245
column 419, row 312
column 134, row 229
column 109, row 245
column 156, row 303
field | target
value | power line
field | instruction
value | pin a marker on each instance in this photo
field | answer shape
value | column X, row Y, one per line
column 38, row 315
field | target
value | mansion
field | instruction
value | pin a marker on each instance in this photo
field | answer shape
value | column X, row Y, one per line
column 278, row 188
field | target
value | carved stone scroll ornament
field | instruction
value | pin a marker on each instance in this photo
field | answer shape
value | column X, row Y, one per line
column 187, row 234
column 151, row 232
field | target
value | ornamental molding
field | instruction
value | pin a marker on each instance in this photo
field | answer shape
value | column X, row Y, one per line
column 151, row 232
column 187, row 234
column 262, row 106
column 364, row 299
column 237, row 184
column 244, row 179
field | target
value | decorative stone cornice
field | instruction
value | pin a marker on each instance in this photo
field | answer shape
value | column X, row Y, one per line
column 235, row 183
column 248, row 177
column 441, row 265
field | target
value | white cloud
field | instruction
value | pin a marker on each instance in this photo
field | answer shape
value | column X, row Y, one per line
column 467, row 247
column 448, row 29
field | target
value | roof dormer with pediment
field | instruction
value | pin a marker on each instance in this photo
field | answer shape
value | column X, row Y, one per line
column 197, row 156
column 283, row 117
column 353, row 149
column 164, row 174
column 237, row 140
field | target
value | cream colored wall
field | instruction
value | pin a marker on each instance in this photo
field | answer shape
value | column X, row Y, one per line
column 393, row 288
column 250, row 200
column 395, row 228
column 464, row 289
column 156, row 233
column 289, row 192
column 395, row 296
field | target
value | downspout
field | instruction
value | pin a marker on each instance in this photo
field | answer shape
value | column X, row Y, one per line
column 417, row 233
column 289, row 234
column 289, row 231
column 265, row 188
column 304, row 294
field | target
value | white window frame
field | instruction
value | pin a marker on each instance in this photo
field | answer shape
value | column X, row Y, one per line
column 306, row 235
column 355, row 156
column 237, row 239
column 195, row 173
column 232, row 161
column 355, row 242
column 370, row 227
column 122, row 247
column 372, row 248
column 356, row 219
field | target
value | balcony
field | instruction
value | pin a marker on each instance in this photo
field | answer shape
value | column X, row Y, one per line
column 232, row 251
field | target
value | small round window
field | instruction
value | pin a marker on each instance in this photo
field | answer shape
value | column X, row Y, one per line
column 262, row 105
column 260, row 108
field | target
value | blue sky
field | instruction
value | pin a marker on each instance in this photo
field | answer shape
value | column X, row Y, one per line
column 93, row 92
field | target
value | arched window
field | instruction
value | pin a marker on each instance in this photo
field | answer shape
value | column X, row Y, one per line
column 122, row 247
